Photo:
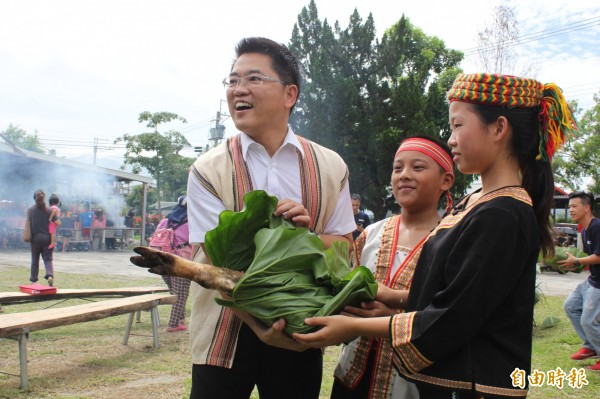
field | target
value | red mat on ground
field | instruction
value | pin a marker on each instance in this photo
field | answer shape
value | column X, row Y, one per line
column 37, row 289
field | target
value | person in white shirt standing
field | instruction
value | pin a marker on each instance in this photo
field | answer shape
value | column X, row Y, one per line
column 231, row 351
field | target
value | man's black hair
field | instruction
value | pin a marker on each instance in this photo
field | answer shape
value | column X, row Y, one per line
column 586, row 198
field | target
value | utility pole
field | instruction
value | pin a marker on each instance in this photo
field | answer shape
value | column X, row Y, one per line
column 95, row 149
column 216, row 133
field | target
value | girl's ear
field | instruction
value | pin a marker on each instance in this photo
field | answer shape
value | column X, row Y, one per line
column 501, row 128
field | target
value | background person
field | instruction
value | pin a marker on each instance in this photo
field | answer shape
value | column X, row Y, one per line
column 110, row 242
column 228, row 352
column 40, row 238
column 66, row 230
column 178, row 221
column 360, row 218
column 128, row 221
column 54, row 219
column 99, row 222
column 85, row 222
column 583, row 304
column 150, row 228
column 469, row 315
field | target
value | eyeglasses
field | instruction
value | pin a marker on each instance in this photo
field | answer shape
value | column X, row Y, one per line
column 251, row 80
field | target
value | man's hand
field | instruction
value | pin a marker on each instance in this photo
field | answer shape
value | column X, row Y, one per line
column 293, row 211
column 569, row 263
column 274, row 335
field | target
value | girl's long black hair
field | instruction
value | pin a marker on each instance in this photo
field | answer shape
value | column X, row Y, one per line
column 538, row 179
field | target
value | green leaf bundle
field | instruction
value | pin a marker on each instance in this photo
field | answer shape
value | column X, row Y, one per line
column 288, row 273
column 560, row 253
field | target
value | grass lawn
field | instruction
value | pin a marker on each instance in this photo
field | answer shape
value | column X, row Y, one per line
column 551, row 350
column 87, row 360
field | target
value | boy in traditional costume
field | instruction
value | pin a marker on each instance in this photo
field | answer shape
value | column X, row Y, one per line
column 311, row 182
column 466, row 331
column 422, row 173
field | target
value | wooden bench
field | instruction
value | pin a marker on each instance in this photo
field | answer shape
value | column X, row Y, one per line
column 17, row 326
column 11, row 297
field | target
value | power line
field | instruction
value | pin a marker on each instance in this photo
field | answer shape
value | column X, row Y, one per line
column 585, row 84
column 558, row 28
column 63, row 142
column 200, row 124
column 535, row 36
column 551, row 29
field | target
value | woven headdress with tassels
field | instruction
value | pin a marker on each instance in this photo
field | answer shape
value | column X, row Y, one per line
column 556, row 117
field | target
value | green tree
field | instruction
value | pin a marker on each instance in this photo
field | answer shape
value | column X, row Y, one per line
column 361, row 98
column 134, row 199
column 576, row 165
column 416, row 71
column 19, row 137
column 155, row 151
column 175, row 176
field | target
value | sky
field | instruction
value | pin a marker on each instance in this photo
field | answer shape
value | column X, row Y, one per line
column 79, row 71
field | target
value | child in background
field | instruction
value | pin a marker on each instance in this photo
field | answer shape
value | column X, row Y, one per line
column 54, row 219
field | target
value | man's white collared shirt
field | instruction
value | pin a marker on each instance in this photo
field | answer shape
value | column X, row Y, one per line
column 278, row 176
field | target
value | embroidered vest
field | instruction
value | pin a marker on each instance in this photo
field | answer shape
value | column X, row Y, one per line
column 225, row 174
column 401, row 280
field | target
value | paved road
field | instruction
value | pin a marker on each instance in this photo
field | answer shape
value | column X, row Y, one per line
column 117, row 263
column 552, row 283
column 92, row 262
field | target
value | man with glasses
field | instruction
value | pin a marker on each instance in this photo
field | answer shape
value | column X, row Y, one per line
column 583, row 305
column 229, row 349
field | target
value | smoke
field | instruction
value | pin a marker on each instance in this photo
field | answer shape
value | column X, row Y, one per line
column 76, row 185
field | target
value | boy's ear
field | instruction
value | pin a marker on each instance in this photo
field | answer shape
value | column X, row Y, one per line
column 447, row 181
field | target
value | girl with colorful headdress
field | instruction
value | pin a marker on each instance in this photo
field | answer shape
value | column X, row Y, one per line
column 422, row 174
column 466, row 328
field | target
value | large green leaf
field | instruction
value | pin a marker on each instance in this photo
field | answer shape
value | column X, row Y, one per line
column 291, row 275
column 231, row 243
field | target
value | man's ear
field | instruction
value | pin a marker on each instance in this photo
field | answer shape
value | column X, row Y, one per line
column 291, row 95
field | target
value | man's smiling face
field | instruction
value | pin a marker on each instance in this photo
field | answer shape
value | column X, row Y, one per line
column 257, row 109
